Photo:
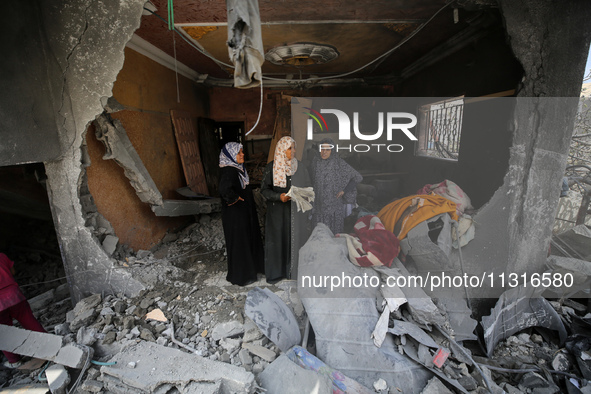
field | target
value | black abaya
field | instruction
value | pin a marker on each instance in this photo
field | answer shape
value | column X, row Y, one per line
column 279, row 259
column 241, row 229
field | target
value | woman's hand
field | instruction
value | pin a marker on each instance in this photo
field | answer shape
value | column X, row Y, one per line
column 239, row 199
column 284, row 197
column 340, row 194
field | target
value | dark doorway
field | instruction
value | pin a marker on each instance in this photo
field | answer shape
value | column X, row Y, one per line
column 230, row 132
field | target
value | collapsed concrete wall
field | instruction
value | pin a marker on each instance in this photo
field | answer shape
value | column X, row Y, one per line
column 86, row 39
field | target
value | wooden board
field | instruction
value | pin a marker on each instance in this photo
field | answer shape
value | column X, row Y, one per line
column 185, row 130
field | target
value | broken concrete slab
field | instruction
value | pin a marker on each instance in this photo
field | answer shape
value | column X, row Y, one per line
column 187, row 207
column 458, row 314
column 29, row 343
column 86, row 336
column 251, row 331
column 44, row 346
column 83, row 319
column 74, row 355
column 179, row 370
column 119, row 148
column 245, row 358
column 229, row 329
column 87, row 303
column 516, row 310
column 110, row 244
column 260, row 351
column 284, row 376
column 273, row 318
column 57, row 378
column 533, row 380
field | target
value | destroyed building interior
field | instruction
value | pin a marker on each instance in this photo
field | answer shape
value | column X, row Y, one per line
column 114, row 114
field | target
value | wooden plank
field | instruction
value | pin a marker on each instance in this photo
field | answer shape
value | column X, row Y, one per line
column 209, row 148
column 185, row 130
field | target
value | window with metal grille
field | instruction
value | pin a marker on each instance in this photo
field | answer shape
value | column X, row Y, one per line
column 440, row 128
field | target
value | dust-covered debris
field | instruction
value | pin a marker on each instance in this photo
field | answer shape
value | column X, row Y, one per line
column 185, row 283
column 189, row 308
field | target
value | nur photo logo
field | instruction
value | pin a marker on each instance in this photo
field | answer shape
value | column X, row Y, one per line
column 390, row 122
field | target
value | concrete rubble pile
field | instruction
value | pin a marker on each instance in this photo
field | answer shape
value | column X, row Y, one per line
column 187, row 307
column 211, row 328
column 190, row 331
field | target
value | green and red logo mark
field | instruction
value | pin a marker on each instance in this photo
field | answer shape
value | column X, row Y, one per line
column 316, row 118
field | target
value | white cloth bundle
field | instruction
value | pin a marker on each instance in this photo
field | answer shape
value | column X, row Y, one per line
column 303, row 196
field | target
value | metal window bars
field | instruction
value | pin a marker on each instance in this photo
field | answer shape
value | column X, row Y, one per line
column 441, row 128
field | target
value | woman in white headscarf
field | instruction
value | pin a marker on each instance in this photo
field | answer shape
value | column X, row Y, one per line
column 277, row 181
column 239, row 218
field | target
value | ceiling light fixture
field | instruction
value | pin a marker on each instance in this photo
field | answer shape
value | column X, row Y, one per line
column 301, row 54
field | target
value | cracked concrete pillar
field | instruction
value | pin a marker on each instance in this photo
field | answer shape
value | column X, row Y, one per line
column 551, row 41
column 87, row 39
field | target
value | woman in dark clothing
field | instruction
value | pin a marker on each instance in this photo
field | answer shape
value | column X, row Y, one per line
column 277, row 181
column 335, row 184
column 239, row 218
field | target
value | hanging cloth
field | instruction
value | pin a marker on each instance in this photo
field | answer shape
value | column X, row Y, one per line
column 245, row 42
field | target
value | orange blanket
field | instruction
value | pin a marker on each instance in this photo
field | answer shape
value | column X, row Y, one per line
column 427, row 207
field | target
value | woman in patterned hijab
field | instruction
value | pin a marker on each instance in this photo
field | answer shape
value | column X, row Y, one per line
column 228, row 159
column 277, row 181
column 282, row 165
column 244, row 245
